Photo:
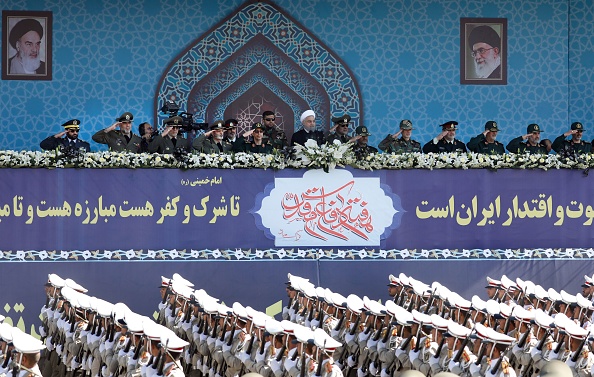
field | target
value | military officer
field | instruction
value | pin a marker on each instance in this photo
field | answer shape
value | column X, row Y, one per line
column 485, row 142
column 213, row 141
column 340, row 131
column 404, row 144
column 446, row 141
column 574, row 146
column 361, row 148
column 533, row 145
column 122, row 140
column 66, row 139
column 169, row 140
column 276, row 137
column 253, row 141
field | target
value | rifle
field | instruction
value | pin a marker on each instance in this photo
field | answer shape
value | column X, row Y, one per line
column 461, row 350
column 578, row 351
column 430, row 301
column 163, row 359
column 543, row 340
column 498, row 363
column 524, row 337
column 440, row 347
column 319, row 369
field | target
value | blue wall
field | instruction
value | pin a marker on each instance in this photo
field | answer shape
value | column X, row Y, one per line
column 109, row 56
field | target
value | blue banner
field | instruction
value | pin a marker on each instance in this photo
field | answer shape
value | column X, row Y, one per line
column 122, row 209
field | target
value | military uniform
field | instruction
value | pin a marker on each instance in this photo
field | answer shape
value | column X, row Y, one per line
column 275, row 137
column 392, row 145
column 517, row 146
column 167, row 145
column 479, row 144
column 444, row 146
column 335, row 136
column 243, row 145
column 51, row 143
column 567, row 148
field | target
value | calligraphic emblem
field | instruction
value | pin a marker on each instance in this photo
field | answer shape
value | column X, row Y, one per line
column 329, row 209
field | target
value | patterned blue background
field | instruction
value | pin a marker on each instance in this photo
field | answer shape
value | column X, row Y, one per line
column 109, row 56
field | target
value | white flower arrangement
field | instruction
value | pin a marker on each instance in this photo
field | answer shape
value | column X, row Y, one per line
column 309, row 156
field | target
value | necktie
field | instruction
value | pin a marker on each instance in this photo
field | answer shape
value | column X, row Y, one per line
column 174, row 140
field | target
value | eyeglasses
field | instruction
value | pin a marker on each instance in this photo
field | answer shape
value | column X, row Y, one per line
column 73, row 131
column 258, row 131
column 481, row 51
column 269, row 119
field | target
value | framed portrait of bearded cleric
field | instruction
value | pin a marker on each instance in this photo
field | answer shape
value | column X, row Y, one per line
column 483, row 51
column 26, row 45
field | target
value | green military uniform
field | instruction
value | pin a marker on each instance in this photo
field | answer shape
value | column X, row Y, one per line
column 243, row 145
column 169, row 144
column 399, row 145
column 362, row 150
column 479, row 144
column 116, row 140
column 276, row 137
column 208, row 145
column 568, row 148
column 518, row 146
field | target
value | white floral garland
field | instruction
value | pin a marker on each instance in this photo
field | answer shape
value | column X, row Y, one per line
column 327, row 156
column 293, row 254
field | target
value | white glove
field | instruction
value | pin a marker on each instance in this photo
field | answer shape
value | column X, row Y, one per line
column 74, row 364
column 372, row 369
column 348, row 338
column 314, row 324
column 334, row 333
column 384, row 373
column 162, row 306
column 104, row 371
column 289, row 363
column 360, row 373
column 59, row 349
column 42, row 331
column 226, row 348
column 351, row 361
column 243, row 356
column 474, row 369
column 48, row 343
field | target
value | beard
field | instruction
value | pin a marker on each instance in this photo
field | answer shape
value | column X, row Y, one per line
column 31, row 64
column 484, row 68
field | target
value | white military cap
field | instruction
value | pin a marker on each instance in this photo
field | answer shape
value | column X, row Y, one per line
column 324, row 342
column 479, row 304
column 55, row 280
column 492, row 283
column 164, row 282
column 273, row 326
column 178, row 278
column 439, row 322
column 74, row 285
column 339, row 300
column 288, row 326
column 355, row 304
column 393, row 280
column 507, row 283
column 303, row 334
column 6, row 332
column 240, row 312
column 172, row 342
column 568, row 298
column 260, row 320
column 421, row 318
column 25, row 343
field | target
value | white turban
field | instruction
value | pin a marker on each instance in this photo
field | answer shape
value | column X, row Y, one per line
column 306, row 114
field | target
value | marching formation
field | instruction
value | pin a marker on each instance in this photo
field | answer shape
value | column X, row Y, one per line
column 518, row 330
